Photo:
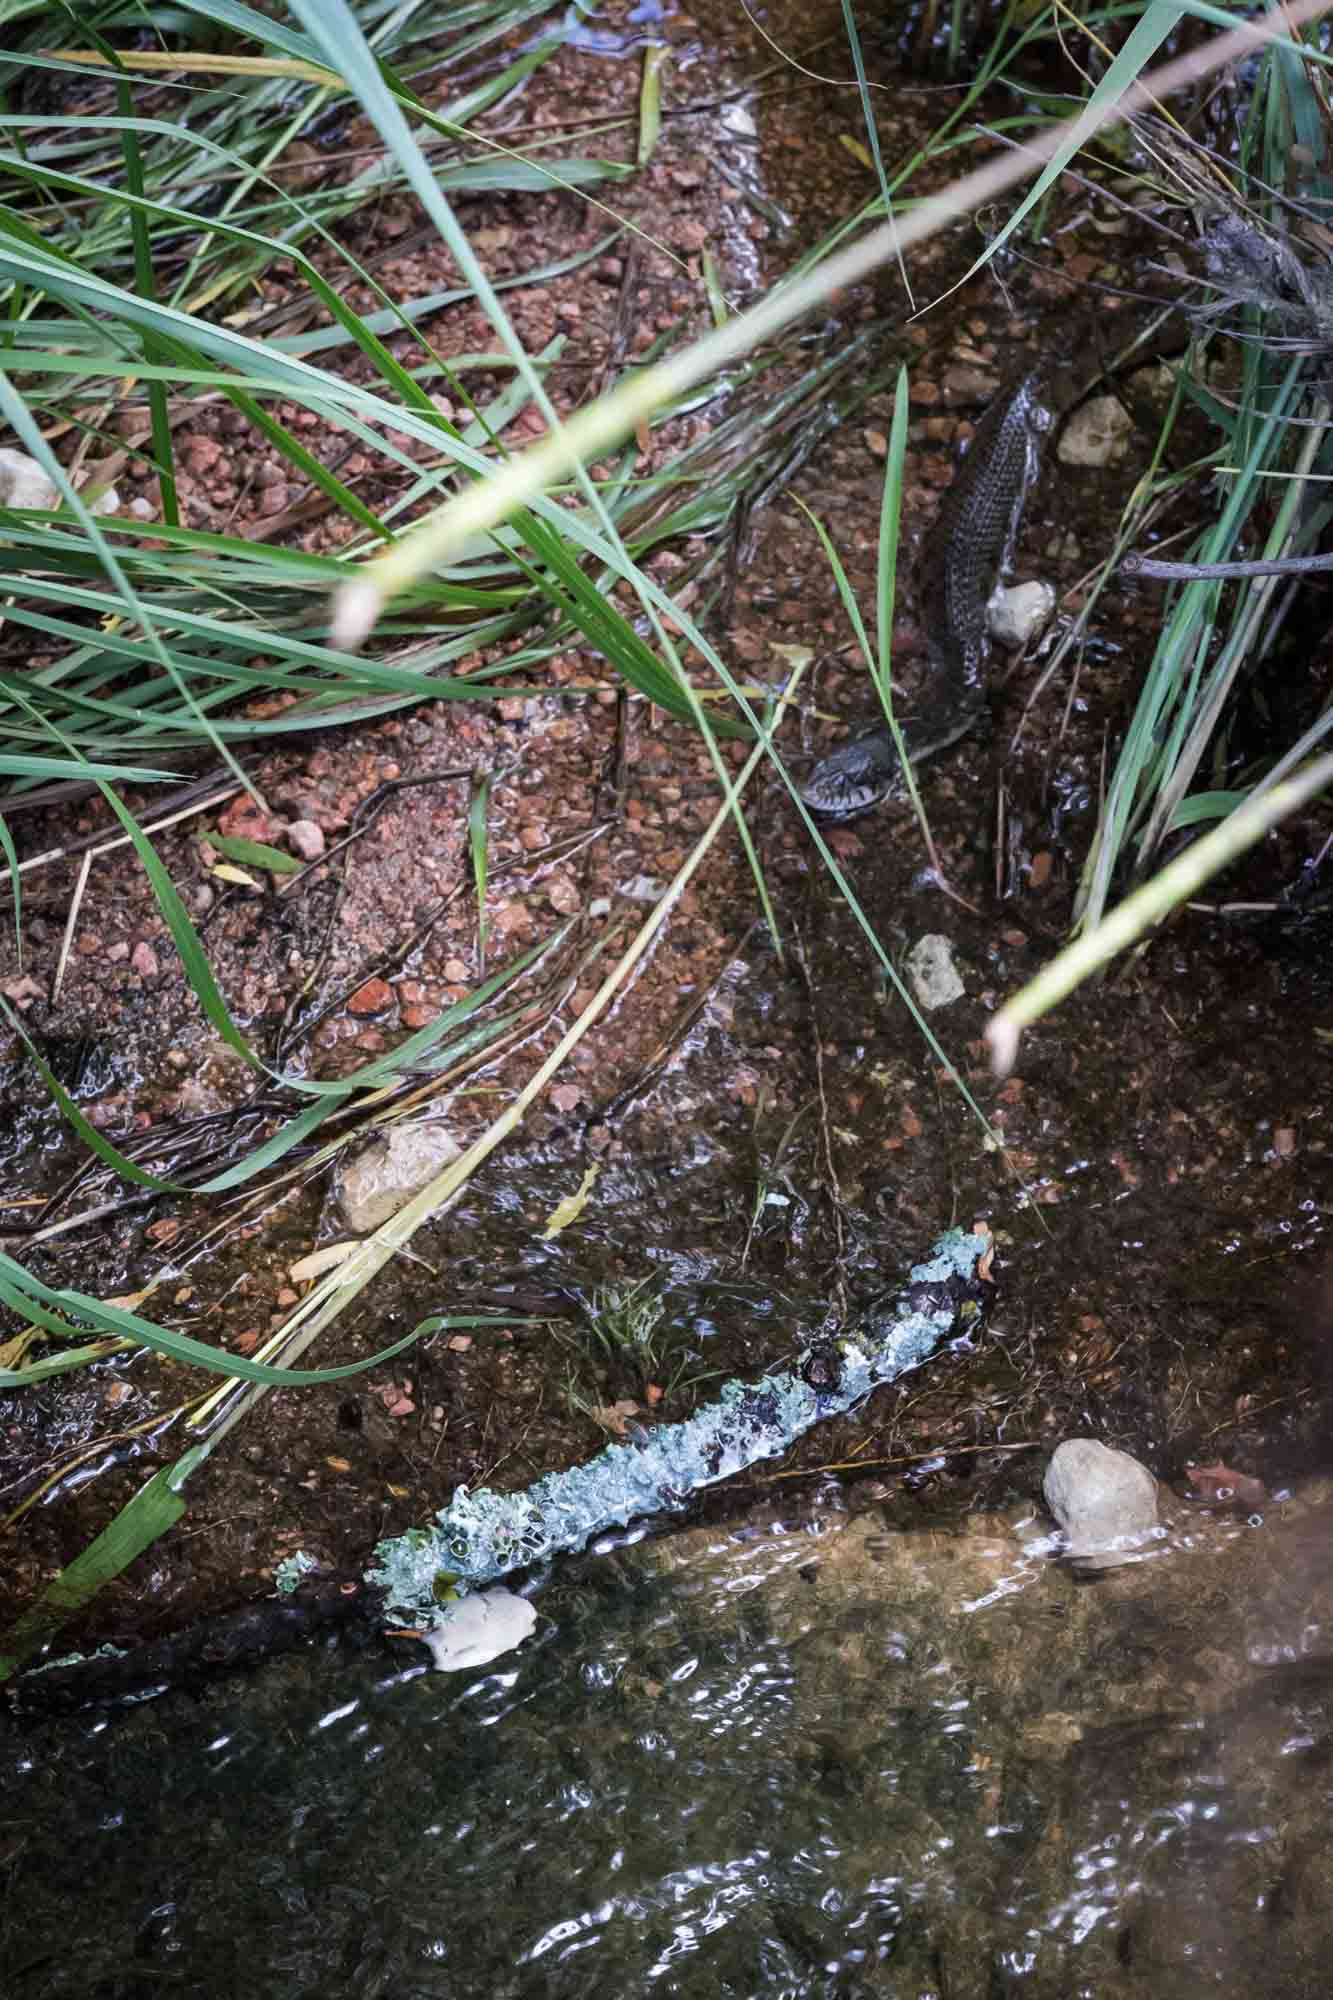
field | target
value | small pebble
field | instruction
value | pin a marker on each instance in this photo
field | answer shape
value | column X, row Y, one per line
column 932, row 974
column 1104, row 1500
column 1097, row 434
column 1017, row 614
column 306, row 839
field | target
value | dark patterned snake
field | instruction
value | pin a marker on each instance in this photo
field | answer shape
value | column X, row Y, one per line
column 969, row 543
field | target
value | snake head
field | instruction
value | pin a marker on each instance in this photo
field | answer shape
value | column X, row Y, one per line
column 855, row 777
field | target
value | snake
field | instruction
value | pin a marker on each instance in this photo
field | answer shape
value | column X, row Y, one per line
column 970, row 543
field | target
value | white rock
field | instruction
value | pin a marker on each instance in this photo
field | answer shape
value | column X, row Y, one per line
column 386, row 1175
column 479, row 1628
column 23, row 483
column 1097, row 433
column 306, row 839
column 1017, row 613
column 1104, row 1500
column 644, row 889
column 932, row 974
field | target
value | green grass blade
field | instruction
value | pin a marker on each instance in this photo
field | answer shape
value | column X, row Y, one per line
column 1202, row 806
column 97, row 1142
column 655, row 58
column 477, row 833
column 890, row 529
column 1158, row 20
column 155, row 1509
column 255, row 854
column 163, row 454
column 60, row 1364
column 16, row 886
column 183, row 934
column 32, row 1300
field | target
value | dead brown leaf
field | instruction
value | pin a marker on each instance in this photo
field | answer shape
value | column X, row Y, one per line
column 612, row 1416
column 1217, row 1482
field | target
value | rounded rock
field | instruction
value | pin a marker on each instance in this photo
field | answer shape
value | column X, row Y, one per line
column 1017, row 614
column 1103, row 1500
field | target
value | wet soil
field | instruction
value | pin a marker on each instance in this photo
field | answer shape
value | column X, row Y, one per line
column 772, row 1141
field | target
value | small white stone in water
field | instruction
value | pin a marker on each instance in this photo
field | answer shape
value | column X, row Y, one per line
column 1104, row 1500
column 479, row 1628
column 1017, row 614
column 932, row 974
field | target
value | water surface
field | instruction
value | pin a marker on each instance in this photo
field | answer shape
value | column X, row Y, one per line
column 772, row 1758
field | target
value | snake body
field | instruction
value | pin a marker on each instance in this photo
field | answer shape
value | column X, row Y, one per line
column 970, row 541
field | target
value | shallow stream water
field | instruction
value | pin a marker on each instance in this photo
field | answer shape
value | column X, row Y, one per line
column 767, row 1758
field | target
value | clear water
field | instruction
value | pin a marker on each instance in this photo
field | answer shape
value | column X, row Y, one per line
column 768, row 1760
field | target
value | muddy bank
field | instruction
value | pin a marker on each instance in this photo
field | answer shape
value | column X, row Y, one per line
column 772, row 1141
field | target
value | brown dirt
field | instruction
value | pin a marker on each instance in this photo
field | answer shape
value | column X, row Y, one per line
column 1163, row 1280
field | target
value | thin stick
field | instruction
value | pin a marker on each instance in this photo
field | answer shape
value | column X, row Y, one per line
column 1193, row 572
column 94, row 844
column 907, row 1458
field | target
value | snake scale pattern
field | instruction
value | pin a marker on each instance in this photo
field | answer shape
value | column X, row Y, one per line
column 969, row 543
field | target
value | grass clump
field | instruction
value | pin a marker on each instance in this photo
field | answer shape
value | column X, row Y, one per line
column 630, row 1344
column 623, row 1322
